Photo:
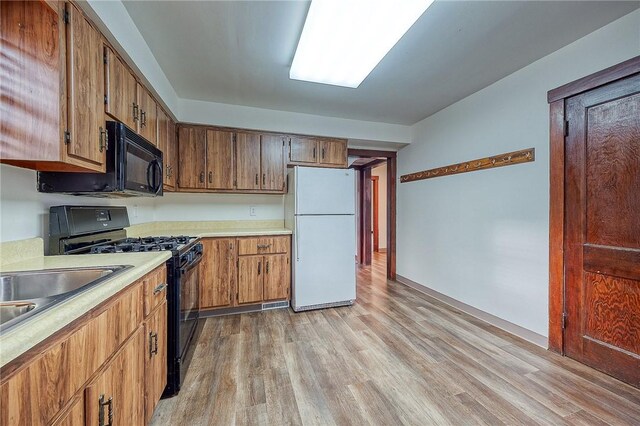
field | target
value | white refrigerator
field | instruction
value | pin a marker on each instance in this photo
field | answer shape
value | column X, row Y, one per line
column 320, row 209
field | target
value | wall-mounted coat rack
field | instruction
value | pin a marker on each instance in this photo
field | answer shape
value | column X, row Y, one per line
column 516, row 157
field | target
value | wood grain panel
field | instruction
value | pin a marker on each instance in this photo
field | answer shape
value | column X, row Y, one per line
column 263, row 245
column 506, row 159
column 120, row 84
column 170, row 157
column 277, row 280
column 220, row 160
column 218, row 273
column 123, row 380
column 613, row 311
column 155, row 364
column 333, row 152
column 250, row 279
column 154, row 288
column 162, row 132
column 613, row 173
column 31, row 69
column 192, row 155
column 147, row 123
column 303, row 150
column 247, row 161
column 611, row 261
column 74, row 415
column 86, row 90
column 272, row 163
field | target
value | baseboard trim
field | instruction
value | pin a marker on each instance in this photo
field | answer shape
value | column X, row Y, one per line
column 509, row 327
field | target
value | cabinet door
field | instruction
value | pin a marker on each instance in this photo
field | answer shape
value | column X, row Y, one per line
column 276, row 277
column 272, row 152
column 163, row 142
column 155, row 358
column 170, row 156
column 120, row 87
column 192, row 147
column 86, row 91
column 250, row 279
column 303, row 150
column 119, row 389
column 219, row 159
column 333, row 152
column 218, row 269
column 148, row 115
column 248, row 161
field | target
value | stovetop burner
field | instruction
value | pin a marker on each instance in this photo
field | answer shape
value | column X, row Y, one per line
column 129, row 245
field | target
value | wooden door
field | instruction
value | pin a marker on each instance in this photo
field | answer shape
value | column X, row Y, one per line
column 272, row 163
column 220, row 155
column 303, row 150
column 170, row 155
column 276, row 277
column 148, row 115
column 163, row 142
column 247, row 161
column 86, row 91
column 155, row 358
column 192, row 152
column 602, row 223
column 333, row 152
column 123, row 381
column 218, row 270
column 250, row 279
column 120, row 89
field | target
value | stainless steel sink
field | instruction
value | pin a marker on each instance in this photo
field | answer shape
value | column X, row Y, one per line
column 27, row 293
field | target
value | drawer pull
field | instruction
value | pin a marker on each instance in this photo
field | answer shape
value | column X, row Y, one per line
column 153, row 343
column 264, row 246
column 159, row 288
column 102, row 404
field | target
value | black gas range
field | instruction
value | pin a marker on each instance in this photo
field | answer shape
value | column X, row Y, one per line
column 100, row 230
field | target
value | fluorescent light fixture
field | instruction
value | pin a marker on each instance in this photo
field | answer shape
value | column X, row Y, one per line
column 343, row 40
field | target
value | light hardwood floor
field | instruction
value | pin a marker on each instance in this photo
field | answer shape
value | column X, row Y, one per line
column 395, row 357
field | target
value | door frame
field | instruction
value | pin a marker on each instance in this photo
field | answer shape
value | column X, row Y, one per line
column 374, row 202
column 556, row 99
column 391, row 159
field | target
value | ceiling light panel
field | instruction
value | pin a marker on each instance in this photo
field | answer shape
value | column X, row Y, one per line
column 343, row 40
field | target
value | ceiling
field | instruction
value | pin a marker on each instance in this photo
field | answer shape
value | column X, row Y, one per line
column 239, row 52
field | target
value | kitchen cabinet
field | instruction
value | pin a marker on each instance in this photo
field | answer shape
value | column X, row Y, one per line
column 248, row 161
column 120, row 87
column 147, row 126
column 250, row 279
column 155, row 364
column 171, row 157
column 116, row 395
column 277, row 280
column 192, row 155
column 220, row 159
column 272, row 163
column 263, row 245
column 102, row 353
column 218, row 273
column 87, row 128
column 317, row 152
column 166, row 128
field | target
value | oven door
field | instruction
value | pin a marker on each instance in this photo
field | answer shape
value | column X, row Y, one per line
column 189, row 290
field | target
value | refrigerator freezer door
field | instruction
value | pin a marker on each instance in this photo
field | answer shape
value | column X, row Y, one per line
column 324, row 191
column 324, row 261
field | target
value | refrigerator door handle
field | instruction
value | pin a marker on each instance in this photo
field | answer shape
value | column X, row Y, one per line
column 297, row 236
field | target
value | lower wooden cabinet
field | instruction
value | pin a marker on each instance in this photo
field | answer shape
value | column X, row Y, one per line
column 244, row 271
column 116, row 395
column 155, row 364
column 69, row 378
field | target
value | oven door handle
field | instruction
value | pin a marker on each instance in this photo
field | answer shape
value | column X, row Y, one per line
column 191, row 265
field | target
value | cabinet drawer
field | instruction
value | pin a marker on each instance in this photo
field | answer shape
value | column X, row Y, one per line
column 263, row 245
column 155, row 289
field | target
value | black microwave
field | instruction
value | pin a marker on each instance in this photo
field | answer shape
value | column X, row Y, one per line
column 134, row 168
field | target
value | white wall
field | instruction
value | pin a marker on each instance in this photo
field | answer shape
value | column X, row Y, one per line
column 381, row 172
column 482, row 237
column 173, row 206
column 24, row 212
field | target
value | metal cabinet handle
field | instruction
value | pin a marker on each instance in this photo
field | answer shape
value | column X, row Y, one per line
column 314, row 153
column 159, row 288
column 263, row 246
column 264, row 177
column 201, row 176
column 143, row 118
column 103, row 135
column 135, row 111
column 256, row 178
column 323, row 153
column 267, row 267
column 259, row 267
column 101, row 404
column 210, row 177
column 153, row 343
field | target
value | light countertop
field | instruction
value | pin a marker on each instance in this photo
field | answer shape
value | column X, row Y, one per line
column 210, row 229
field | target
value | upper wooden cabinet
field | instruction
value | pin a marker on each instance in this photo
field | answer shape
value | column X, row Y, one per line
column 260, row 162
column 120, row 86
column 248, row 161
column 147, row 126
column 192, row 155
column 319, row 152
column 166, row 143
column 220, row 159
column 272, row 163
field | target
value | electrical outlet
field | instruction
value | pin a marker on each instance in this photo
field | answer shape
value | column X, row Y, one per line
column 135, row 211
column 252, row 211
